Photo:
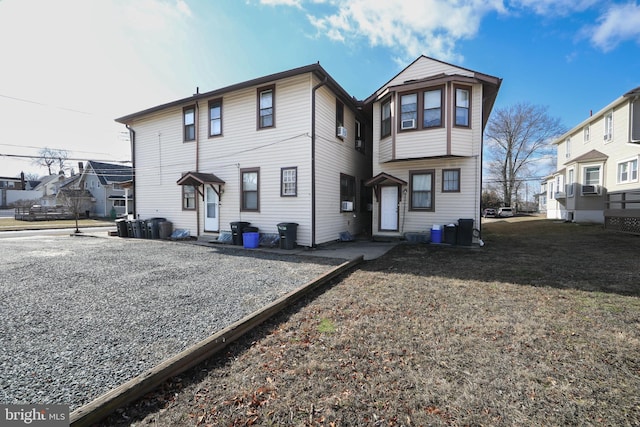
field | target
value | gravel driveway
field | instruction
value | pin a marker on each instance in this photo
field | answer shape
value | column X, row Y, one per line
column 80, row 316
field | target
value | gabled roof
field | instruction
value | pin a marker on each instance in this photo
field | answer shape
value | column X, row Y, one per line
column 383, row 177
column 109, row 173
column 316, row 69
column 199, row 178
column 591, row 156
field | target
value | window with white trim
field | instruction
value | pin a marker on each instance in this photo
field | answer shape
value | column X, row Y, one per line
column 628, row 171
column 586, row 133
column 567, row 144
column 570, row 179
column 608, row 126
column 635, row 121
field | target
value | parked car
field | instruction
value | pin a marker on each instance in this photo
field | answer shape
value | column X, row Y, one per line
column 489, row 212
column 505, row 212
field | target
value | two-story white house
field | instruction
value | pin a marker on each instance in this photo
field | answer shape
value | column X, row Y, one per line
column 288, row 147
column 428, row 125
column 597, row 168
column 295, row 147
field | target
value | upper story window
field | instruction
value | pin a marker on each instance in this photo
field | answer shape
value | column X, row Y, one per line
column 189, row 123
column 432, row 114
column 266, row 110
column 635, row 121
column 591, row 175
column 421, row 185
column 570, row 179
column 567, row 146
column 463, row 106
column 586, row 133
column 359, row 137
column 608, row 126
column 451, row 180
column 339, row 114
column 289, row 182
column 408, row 111
column 385, row 118
column 215, row 117
column 250, row 189
column 628, row 171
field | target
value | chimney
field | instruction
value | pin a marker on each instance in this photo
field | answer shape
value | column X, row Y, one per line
column 22, row 181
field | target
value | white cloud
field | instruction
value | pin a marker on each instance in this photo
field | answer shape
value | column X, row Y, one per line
column 619, row 23
column 554, row 7
column 412, row 28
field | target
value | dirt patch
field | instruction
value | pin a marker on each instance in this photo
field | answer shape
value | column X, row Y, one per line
column 539, row 327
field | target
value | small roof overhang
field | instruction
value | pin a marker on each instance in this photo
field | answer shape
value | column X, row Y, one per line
column 199, row 178
column 384, row 178
column 591, row 156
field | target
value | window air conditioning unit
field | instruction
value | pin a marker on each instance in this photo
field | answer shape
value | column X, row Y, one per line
column 359, row 144
column 408, row 124
column 590, row 189
column 342, row 132
column 347, row 206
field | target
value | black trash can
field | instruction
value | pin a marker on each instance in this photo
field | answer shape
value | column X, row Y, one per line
column 166, row 229
column 130, row 231
column 465, row 231
column 288, row 234
column 153, row 227
column 237, row 228
column 144, row 226
column 450, row 234
column 137, row 229
column 121, row 224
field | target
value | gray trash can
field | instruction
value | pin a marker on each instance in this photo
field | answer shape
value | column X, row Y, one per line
column 165, row 229
column 121, row 224
column 153, row 227
column 288, row 234
column 465, row 231
column 137, row 229
column 237, row 228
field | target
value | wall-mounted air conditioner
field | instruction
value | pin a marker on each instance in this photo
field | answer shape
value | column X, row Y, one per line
column 342, row 132
column 359, row 144
column 408, row 124
column 347, row 206
column 590, row 189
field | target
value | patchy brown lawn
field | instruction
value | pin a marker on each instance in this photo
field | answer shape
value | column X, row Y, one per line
column 539, row 327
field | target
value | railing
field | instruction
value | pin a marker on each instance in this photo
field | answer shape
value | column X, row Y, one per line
column 43, row 213
column 622, row 212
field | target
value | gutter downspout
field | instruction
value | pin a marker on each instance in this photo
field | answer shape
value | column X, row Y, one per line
column 132, row 141
column 313, row 160
column 197, row 124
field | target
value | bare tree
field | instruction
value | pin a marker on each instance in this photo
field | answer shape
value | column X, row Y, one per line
column 50, row 156
column 516, row 137
column 77, row 201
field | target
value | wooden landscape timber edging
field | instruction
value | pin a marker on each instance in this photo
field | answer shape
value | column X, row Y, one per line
column 137, row 387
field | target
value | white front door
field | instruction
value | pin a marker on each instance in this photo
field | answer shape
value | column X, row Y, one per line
column 389, row 208
column 211, row 217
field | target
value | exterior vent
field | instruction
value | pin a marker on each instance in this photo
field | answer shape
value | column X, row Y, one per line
column 342, row 132
column 359, row 144
column 408, row 124
column 590, row 189
column 347, row 206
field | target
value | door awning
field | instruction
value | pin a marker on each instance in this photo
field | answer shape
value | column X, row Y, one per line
column 199, row 178
column 384, row 178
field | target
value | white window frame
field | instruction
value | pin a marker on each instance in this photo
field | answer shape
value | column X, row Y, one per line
column 289, row 182
column 608, row 127
column 567, row 147
column 630, row 171
column 586, row 133
column 570, row 181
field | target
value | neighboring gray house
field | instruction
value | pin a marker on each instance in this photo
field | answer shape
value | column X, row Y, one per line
column 105, row 182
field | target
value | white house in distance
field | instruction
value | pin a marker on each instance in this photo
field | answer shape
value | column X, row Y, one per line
column 597, row 168
column 105, row 183
column 295, row 147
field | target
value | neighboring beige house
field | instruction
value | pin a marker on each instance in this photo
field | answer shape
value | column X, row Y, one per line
column 597, row 168
column 289, row 147
column 428, row 124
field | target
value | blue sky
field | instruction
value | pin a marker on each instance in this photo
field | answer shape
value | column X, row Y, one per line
column 70, row 67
